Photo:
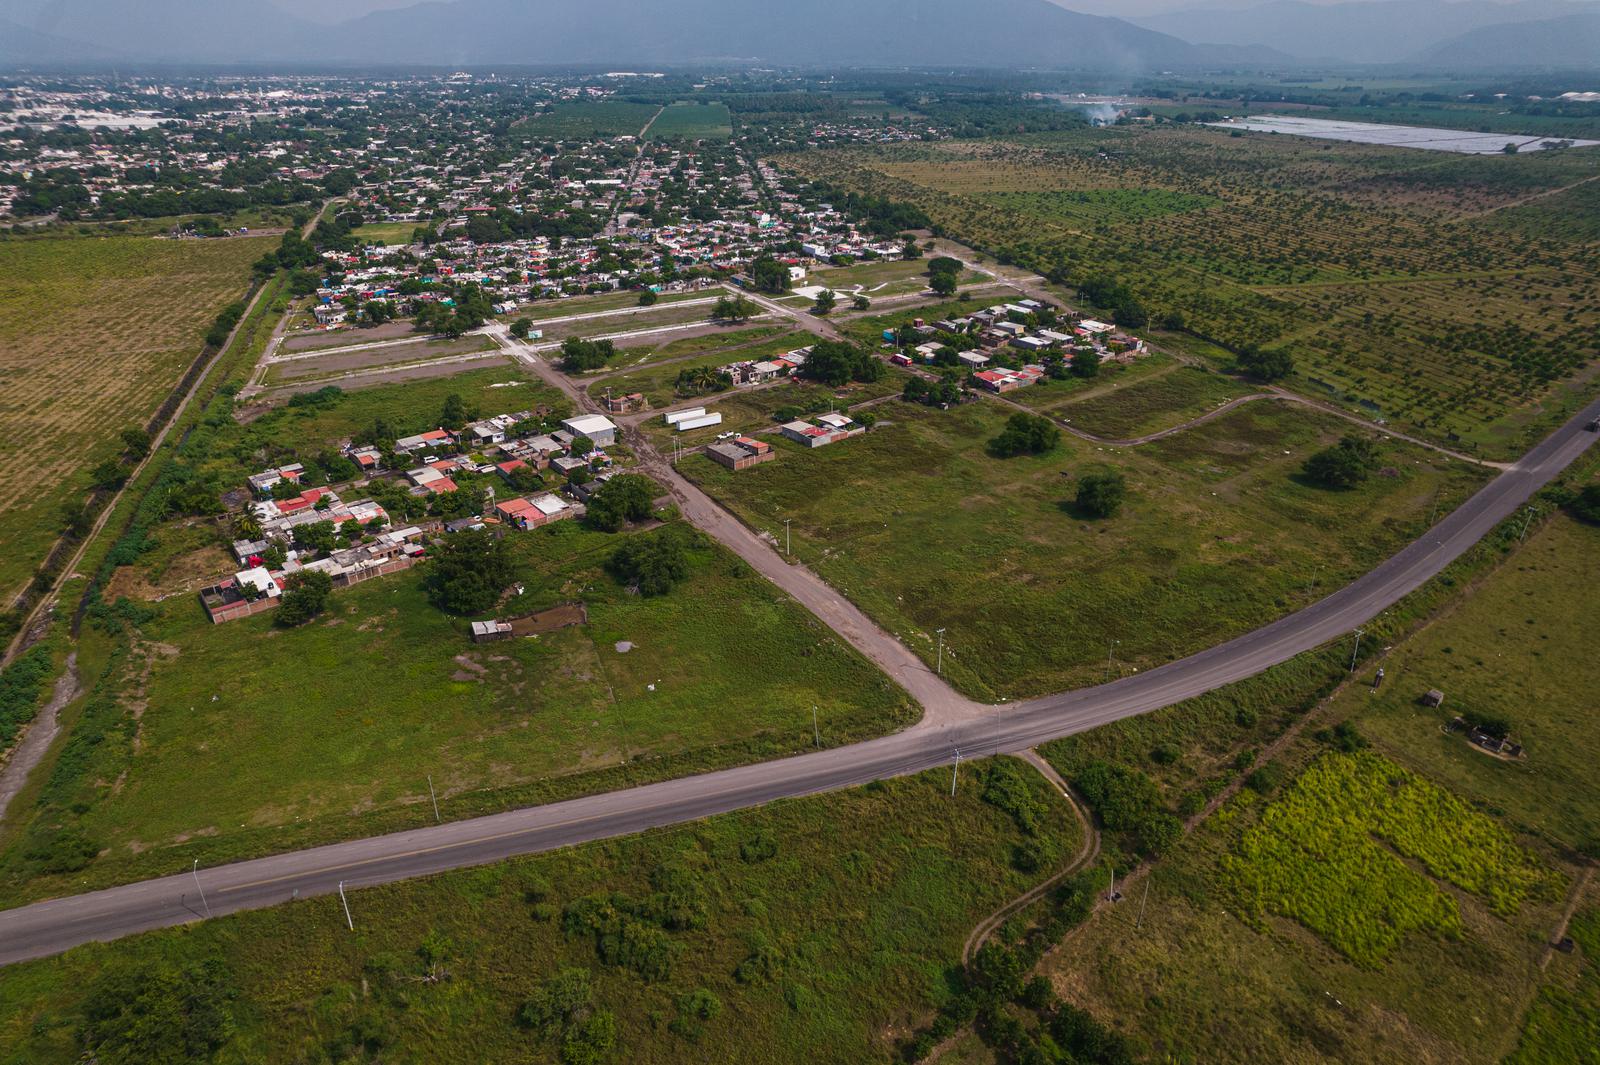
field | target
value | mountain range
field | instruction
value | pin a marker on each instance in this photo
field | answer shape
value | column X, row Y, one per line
column 1425, row 32
column 1276, row 35
column 894, row 33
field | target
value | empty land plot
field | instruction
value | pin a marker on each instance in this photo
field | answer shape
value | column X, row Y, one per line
column 344, row 337
column 920, row 526
column 1274, row 990
column 337, row 362
column 757, row 409
column 387, row 233
column 825, row 929
column 693, row 120
column 620, row 302
column 1153, row 404
column 96, row 333
column 622, row 328
column 1381, row 271
column 326, row 746
column 588, row 119
column 658, row 382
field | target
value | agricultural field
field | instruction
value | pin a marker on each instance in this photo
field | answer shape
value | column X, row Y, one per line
column 819, row 929
column 322, row 746
column 924, row 529
column 1314, row 920
column 96, row 333
column 693, row 120
column 1456, row 297
column 590, row 119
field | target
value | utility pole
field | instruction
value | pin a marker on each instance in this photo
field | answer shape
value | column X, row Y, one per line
column 954, row 770
column 1531, row 512
column 437, row 819
column 1356, row 649
column 787, row 545
column 194, row 871
column 1142, row 900
column 816, row 733
column 1111, row 657
column 346, row 902
column 939, row 667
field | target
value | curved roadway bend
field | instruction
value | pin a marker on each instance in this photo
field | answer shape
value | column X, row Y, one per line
column 50, row 927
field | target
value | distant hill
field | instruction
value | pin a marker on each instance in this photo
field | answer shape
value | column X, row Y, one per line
column 892, row 33
column 1570, row 43
column 22, row 44
column 1362, row 31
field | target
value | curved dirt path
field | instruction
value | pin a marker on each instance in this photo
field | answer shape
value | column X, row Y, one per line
column 1085, row 857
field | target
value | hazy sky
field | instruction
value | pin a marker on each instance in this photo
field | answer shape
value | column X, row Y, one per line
column 334, row 10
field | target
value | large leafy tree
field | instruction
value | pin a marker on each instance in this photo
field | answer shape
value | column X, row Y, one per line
column 467, row 571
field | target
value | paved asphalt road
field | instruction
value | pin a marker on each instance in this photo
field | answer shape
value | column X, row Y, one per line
column 50, row 927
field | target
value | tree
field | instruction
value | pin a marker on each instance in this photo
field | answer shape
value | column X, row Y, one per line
column 108, row 475
column 315, row 536
column 624, row 498
column 136, row 442
column 582, row 355
column 837, row 362
column 1344, row 465
column 1025, row 434
column 1269, row 365
column 826, row 302
column 769, row 275
column 466, row 572
column 307, row 594
column 860, row 302
column 909, row 250
column 454, row 414
column 1100, row 494
column 1086, row 363
column 522, row 328
column 647, row 298
column 943, row 264
column 733, row 309
column 76, row 519
column 943, row 283
column 650, row 564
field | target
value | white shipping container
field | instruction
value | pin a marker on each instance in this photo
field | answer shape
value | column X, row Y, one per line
column 701, row 422
column 673, row 417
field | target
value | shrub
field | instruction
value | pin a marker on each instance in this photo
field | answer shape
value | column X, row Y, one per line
column 1100, row 494
column 307, row 594
column 651, row 565
column 1585, row 506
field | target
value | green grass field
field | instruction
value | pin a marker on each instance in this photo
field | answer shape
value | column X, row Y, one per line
column 588, row 119
column 824, row 927
column 608, row 301
column 240, row 738
column 693, row 120
column 96, row 333
column 917, row 524
column 1152, row 404
column 1365, row 845
column 387, row 232
column 656, row 378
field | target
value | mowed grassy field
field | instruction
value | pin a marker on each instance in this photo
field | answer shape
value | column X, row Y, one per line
column 1449, row 869
column 587, row 119
column 919, row 525
column 824, row 927
column 96, row 332
column 693, row 120
column 1453, row 295
column 227, row 740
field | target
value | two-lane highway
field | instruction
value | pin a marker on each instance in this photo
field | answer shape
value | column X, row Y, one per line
column 49, row 927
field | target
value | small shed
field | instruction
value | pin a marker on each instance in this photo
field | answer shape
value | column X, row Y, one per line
column 1434, row 697
column 488, row 631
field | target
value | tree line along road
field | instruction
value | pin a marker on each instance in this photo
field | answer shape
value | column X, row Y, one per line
column 957, row 728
